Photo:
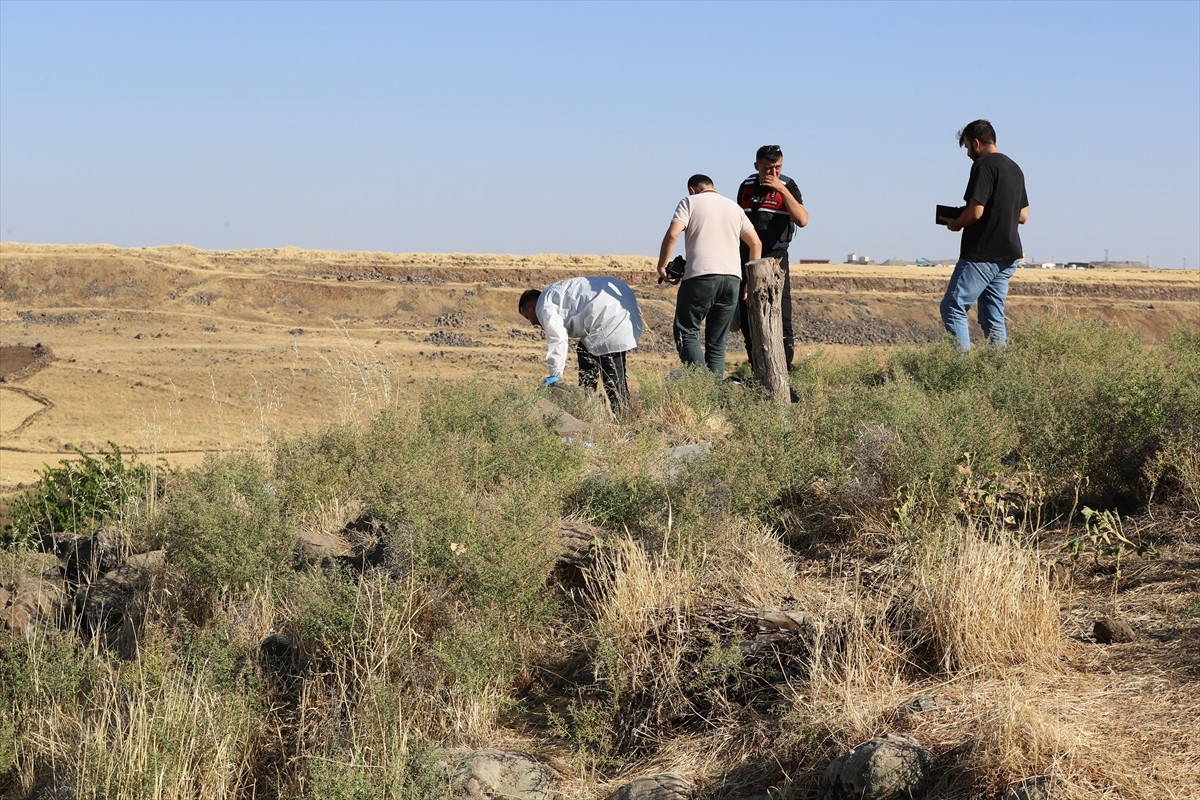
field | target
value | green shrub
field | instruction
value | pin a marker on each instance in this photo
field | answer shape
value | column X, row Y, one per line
column 473, row 488
column 222, row 528
column 46, row 669
column 902, row 435
column 77, row 495
column 941, row 367
column 1091, row 404
column 317, row 467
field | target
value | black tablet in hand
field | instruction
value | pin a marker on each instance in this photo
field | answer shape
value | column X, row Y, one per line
column 947, row 211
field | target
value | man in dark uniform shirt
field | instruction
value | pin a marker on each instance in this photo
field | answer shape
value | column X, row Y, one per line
column 773, row 203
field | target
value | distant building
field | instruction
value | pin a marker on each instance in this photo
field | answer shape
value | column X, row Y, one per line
column 1078, row 265
column 856, row 258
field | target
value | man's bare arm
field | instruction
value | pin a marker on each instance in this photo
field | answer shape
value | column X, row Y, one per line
column 972, row 213
column 1024, row 216
column 752, row 241
column 668, row 247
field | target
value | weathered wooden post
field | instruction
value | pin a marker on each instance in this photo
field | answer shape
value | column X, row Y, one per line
column 764, row 309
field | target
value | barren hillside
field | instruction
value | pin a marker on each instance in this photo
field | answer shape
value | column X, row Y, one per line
column 177, row 351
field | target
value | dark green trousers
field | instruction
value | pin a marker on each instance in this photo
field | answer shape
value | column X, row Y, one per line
column 711, row 301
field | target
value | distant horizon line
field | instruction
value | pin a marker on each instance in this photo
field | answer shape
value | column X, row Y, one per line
column 1111, row 263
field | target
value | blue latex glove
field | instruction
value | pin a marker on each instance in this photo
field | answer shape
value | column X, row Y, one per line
column 550, row 381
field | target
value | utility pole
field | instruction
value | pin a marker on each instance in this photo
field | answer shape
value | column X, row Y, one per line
column 1106, row 256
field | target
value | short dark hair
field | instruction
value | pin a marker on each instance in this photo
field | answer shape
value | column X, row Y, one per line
column 698, row 180
column 980, row 129
column 769, row 152
column 528, row 296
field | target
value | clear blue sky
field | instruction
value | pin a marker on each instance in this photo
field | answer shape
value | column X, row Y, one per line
column 572, row 127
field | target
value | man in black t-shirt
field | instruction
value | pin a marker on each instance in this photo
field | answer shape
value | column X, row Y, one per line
column 996, row 204
column 773, row 203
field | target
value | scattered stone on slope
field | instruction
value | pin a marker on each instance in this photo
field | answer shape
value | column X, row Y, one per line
column 686, row 454
column 664, row 786
column 889, row 767
column 451, row 339
column 565, row 424
column 495, row 775
column 316, row 548
column 921, row 704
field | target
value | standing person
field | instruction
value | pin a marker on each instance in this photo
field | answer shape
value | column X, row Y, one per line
column 603, row 315
column 713, row 226
column 775, row 207
column 991, row 245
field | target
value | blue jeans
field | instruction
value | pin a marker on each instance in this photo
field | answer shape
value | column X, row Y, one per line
column 983, row 281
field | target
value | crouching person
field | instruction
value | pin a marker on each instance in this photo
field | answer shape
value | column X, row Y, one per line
column 602, row 315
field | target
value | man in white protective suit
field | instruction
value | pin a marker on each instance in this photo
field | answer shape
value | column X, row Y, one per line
column 602, row 314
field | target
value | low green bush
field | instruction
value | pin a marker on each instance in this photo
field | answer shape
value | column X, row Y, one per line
column 77, row 495
column 1092, row 405
column 49, row 668
column 222, row 529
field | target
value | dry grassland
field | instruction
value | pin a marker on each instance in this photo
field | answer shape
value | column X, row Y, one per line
column 178, row 352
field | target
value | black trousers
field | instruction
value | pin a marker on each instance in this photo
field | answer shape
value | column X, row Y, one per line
column 611, row 368
column 789, row 339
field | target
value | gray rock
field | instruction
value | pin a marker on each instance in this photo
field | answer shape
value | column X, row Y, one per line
column 33, row 600
column 316, row 547
column 889, row 767
column 1112, row 631
column 922, row 703
column 87, row 557
column 119, row 597
column 565, row 424
column 1031, row 789
column 664, row 786
column 495, row 775
column 685, row 454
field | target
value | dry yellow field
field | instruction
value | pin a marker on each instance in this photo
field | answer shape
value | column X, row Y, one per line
column 178, row 352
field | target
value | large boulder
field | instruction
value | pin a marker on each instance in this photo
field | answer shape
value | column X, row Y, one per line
column 495, row 775
column 889, row 767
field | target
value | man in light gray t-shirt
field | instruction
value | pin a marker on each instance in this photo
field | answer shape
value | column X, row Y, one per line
column 713, row 227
